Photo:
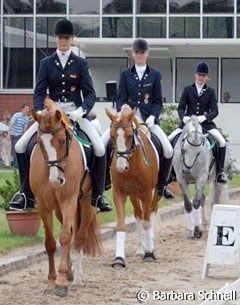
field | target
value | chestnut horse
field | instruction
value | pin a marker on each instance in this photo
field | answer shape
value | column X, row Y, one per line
column 59, row 182
column 133, row 176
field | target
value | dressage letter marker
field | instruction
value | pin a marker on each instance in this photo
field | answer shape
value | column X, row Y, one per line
column 223, row 245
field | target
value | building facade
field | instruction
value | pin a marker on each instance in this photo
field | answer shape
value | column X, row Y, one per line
column 180, row 34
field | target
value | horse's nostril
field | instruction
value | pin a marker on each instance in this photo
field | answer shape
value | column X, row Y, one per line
column 61, row 180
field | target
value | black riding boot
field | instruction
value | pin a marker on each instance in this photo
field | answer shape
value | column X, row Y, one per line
column 26, row 197
column 98, row 181
column 108, row 164
column 163, row 179
column 172, row 175
column 220, row 175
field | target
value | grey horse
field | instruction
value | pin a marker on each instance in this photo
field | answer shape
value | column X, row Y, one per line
column 193, row 163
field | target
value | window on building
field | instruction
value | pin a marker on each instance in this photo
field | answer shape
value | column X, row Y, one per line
column 218, row 6
column 84, row 7
column 185, row 70
column 17, row 6
column 151, row 7
column 101, row 75
column 51, row 7
column 238, row 6
column 151, row 27
column 230, row 80
column 184, row 6
column 117, row 6
column 218, row 27
column 165, row 67
column 17, row 52
column 119, row 27
column 86, row 26
column 184, row 27
column 238, row 27
column 45, row 38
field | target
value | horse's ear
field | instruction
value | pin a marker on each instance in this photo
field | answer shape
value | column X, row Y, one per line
column 58, row 115
column 109, row 114
column 36, row 116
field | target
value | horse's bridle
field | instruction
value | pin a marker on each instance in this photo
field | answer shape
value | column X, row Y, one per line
column 55, row 163
column 192, row 144
column 126, row 154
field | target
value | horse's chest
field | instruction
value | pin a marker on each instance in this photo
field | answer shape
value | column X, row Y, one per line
column 130, row 185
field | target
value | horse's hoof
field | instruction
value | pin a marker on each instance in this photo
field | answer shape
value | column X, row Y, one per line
column 197, row 234
column 149, row 257
column 118, row 263
column 61, row 291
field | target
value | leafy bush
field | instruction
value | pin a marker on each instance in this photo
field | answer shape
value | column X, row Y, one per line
column 169, row 119
column 8, row 190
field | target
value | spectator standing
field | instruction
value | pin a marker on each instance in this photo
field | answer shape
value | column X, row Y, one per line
column 6, row 141
column 17, row 127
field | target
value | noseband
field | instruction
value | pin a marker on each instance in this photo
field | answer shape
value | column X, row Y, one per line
column 55, row 163
column 126, row 154
column 192, row 144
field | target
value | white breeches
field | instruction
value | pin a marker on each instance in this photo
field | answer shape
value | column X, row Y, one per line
column 217, row 135
column 166, row 145
column 214, row 132
column 22, row 143
column 174, row 134
column 85, row 125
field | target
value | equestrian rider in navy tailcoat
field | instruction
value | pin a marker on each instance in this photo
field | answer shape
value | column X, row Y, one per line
column 140, row 88
column 199, row 99
column 67, row 78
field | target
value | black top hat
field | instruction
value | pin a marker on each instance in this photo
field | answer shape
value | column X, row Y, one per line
column 140, row 44
column 202, row 68
column 64, row 27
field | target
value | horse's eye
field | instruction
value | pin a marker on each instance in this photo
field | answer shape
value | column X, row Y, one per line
column 61, row 141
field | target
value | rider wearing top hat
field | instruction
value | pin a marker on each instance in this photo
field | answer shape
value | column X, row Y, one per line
column 140, row 88
column 200, row 100
column 67, row 78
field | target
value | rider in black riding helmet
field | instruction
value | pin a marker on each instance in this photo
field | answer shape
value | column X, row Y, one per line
column 199, row 99
column 70, row 85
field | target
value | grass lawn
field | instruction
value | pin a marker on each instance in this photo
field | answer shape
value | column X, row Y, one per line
column 9, row 241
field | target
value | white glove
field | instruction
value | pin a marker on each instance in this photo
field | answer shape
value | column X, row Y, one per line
column 76, row 114
column 186, row 119
column 39, row 111
column 201, row 118
column 150, row 121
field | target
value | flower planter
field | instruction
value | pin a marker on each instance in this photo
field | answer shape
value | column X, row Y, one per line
column 25, row 223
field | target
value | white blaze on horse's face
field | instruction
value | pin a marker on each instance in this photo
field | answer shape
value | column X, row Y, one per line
column 54, row 176
column 122, row 163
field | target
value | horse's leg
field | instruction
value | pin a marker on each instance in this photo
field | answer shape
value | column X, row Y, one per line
column 148, row 228
column 78, row 272
column 119, row 201
column 50, row 245
column 69, row 261
column 138, row 215
column 187, row 206
column 197, row 208
column 68, row 210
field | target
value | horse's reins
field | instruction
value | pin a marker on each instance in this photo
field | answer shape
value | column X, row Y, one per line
column 192, row 144
column 55, row 163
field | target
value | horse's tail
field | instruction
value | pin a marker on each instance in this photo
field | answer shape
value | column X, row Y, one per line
column 87, row 235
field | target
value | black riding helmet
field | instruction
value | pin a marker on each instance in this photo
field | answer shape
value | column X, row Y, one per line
column 64, row 27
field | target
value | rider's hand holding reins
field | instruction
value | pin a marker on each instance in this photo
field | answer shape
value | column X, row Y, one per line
column 77, row 114
column 186, row 119
column 150, row 121
column 201, row 118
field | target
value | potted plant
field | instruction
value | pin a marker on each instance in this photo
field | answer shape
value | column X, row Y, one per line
column 25, row 222
column 169, row 122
